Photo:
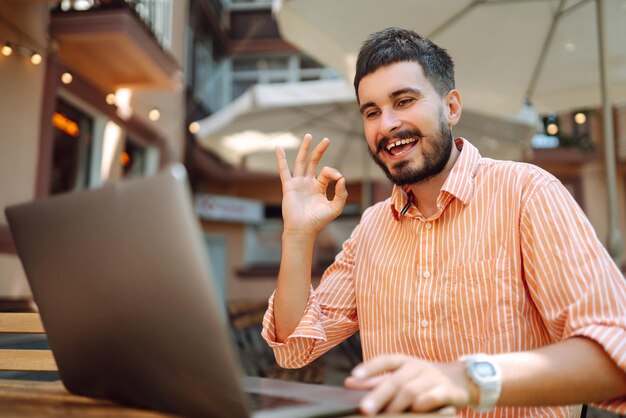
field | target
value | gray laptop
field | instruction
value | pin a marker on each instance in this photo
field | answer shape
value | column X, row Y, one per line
column 125, row 294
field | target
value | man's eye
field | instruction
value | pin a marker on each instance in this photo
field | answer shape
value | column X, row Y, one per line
column 371, row 114
column 405, row 102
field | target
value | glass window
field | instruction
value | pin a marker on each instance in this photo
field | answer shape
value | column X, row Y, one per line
column 73, row 130
column 133, row 159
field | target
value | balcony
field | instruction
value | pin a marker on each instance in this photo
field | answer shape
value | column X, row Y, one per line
column 255, row 32
column 113, row 48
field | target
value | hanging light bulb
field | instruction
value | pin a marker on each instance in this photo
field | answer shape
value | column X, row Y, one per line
column 580, row 118
column 35, row 58
column 67, row 78
column 125, row 159
column 552, row 129
column 154, row 115
column 194, row 127
column 7, row 49
column 110, row 99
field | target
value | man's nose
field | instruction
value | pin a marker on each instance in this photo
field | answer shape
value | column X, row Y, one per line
column 390, row 122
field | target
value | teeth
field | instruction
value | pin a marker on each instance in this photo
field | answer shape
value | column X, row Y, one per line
column 400, row 142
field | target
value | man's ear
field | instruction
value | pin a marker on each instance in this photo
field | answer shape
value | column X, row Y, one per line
column 454, row 103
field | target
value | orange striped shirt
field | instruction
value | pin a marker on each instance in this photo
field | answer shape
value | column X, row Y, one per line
column 508, row 263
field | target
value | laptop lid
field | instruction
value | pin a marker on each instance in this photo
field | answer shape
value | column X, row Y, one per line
column 126, row 296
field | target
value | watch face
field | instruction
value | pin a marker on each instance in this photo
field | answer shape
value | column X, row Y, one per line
column 484, row 369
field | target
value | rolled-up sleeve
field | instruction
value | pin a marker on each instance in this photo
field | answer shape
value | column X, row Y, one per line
column 329, row 318
column 571, row 278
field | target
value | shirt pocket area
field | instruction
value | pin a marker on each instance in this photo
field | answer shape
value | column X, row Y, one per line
column 478, row 308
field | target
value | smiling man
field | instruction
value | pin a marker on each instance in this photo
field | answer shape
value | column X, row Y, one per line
column 478, row 284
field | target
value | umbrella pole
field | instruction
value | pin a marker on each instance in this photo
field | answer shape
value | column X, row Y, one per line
column 615, row 240
column 366, row 183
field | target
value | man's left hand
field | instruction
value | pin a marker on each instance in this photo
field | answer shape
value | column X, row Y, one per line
column 401, row 383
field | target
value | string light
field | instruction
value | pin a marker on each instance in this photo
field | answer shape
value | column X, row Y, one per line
column 35, row 58
column 580, row 118
column 7, row 49
column 10, row 48
column 552, row 129
column 154, row 115
column 110, row 99
column 194, row 127
column 125, row 158
column 67, row 77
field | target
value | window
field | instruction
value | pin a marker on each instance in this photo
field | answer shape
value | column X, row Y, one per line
column 73, row 130
column 133, row 159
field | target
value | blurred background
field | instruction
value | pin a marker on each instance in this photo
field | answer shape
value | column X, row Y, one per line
column 97, row 91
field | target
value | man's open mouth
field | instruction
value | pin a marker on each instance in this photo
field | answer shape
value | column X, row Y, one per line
column 401, row 145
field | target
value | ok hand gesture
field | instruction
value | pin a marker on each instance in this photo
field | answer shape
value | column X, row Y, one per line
column 306, row 209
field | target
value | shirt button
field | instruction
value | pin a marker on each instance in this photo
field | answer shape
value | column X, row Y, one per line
column 428, row 225
column 424, row 323
column 426, row 274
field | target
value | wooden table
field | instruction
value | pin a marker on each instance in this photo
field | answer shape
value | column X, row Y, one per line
column 20, row 399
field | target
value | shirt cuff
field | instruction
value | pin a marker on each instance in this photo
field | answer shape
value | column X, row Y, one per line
column 310, row 325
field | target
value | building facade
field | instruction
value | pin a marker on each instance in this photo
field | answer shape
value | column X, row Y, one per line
column 116, row 93
column 104, row 100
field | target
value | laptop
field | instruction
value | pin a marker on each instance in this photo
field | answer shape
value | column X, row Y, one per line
column 125, row 293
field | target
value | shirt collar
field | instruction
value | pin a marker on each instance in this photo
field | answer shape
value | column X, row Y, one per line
column 460, row 181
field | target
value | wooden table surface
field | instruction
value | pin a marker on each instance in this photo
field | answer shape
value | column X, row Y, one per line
column 51, row 399
column 20, row 399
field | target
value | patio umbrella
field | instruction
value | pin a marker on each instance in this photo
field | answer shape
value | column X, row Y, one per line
column 246, row 132
column 559, row 54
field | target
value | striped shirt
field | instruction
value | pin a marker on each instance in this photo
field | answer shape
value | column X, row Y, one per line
column 508, row 263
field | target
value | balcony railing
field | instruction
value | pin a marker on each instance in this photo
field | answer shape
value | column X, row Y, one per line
column 117, row 43
column 155, row 14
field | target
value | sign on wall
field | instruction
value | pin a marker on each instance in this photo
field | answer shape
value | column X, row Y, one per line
column 232, row 209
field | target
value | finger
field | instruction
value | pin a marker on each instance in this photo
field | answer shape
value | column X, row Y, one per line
column 315, row 157
column 300, row 164
column 379, row 397
column 378, row 365
column 283, row 167
column 341, row 194
column 326, row 175
column 404, row 398
column 410, row 385
column 363, row 384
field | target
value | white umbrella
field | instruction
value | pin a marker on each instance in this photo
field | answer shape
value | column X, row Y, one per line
column 246, row 132
column 560, row 54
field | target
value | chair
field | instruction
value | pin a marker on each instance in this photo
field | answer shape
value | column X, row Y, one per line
column 23, row 359
column 246, row 318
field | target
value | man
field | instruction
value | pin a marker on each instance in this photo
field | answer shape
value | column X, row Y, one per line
column 479, row 284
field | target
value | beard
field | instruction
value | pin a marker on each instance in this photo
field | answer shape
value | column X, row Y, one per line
column 435, row 160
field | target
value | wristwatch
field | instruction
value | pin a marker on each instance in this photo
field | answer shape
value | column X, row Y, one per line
column 487, row 376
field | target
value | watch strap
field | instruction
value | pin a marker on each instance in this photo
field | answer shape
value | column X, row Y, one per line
column 489, row 387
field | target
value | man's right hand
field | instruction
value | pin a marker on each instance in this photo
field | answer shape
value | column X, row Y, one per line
column 306, row 208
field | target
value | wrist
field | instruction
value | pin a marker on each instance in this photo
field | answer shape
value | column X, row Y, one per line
column 472, row 388
column 298, row 236
column 484, row 378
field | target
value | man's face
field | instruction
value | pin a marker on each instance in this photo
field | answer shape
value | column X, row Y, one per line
column 405, row 123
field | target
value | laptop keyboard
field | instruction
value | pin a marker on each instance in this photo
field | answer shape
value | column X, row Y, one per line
column 261, row 401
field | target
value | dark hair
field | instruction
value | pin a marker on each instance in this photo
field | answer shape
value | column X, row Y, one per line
column 393, row 45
